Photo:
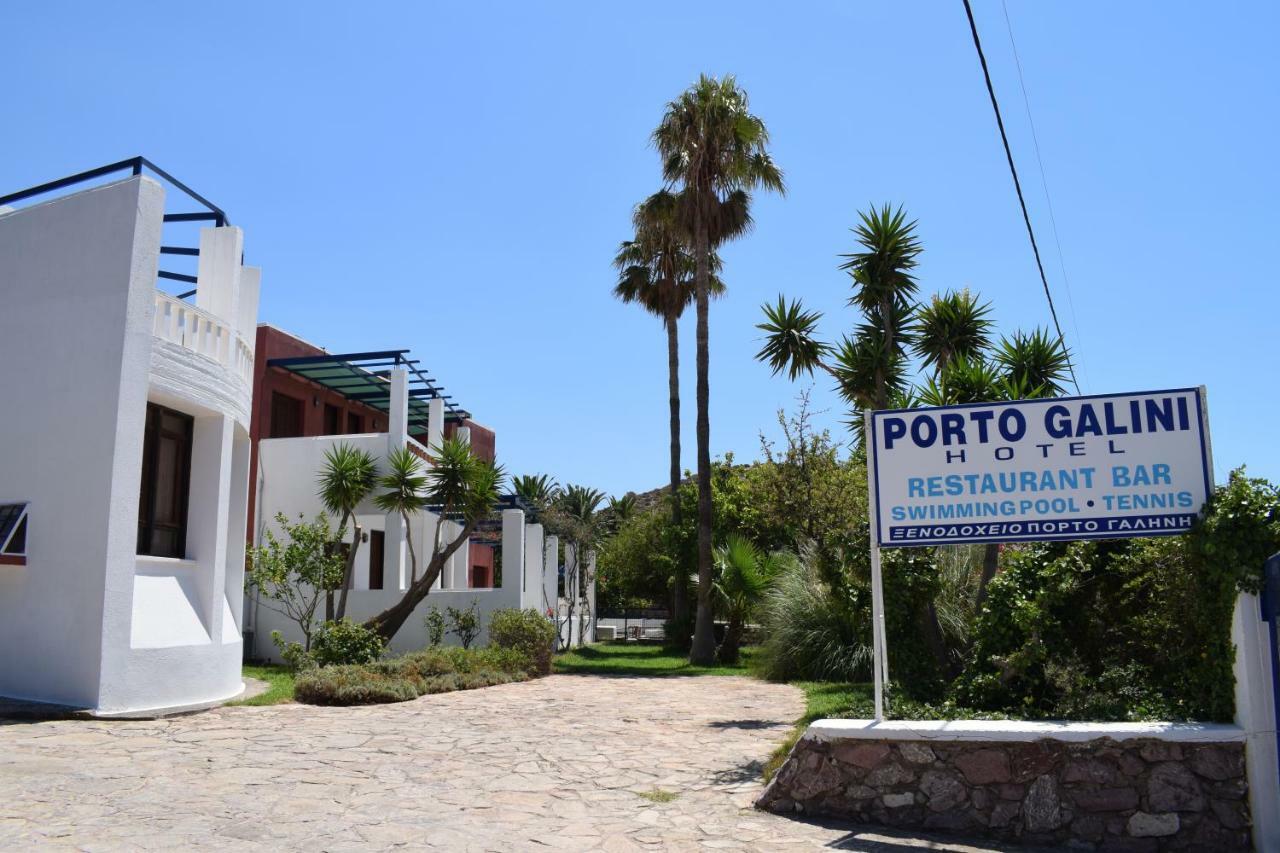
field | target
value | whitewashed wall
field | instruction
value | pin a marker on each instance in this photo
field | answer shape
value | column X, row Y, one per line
column 87, row 622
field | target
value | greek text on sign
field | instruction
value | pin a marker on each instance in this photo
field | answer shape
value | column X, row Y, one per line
column 1100, row 467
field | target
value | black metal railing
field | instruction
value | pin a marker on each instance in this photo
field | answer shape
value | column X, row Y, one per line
column 136, row 165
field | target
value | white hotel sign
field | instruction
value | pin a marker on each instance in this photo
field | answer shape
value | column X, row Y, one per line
column 1099, row 467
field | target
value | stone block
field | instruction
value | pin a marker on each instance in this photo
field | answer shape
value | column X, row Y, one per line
column 1147, row 825
column 944, row 790
column 984, row 766
column 897, row 801
column 1218, row 762
column 1029, row 760
column 1004, row 813
column 1231, row 814
column 916, row 753
column 1042, row 806
column 864, row 755
column 1105, row 799
column 1091, row 770
column 1173, row 788
column 889, row 775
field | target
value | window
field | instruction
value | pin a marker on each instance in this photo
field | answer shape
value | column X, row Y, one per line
column 286, row 416
column 13, row 534
column 355, row 423
column 332, row 419
column 377, row 550
column 166, row 481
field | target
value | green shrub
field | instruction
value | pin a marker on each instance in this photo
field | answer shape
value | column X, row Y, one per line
column 527, row 632
column 1110, row 630
column 345, row 642
column 810, row 633
column 464, row 624
column 351, row 685
column 400, row 679
column 435, row 626
column 293, row 654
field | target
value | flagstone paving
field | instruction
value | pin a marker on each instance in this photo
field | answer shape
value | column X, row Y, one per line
column 562, row 763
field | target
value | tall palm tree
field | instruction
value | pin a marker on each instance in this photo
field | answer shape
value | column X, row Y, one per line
column 346, row 478
column 717, row 151
column 656, row 271
column 405, row 486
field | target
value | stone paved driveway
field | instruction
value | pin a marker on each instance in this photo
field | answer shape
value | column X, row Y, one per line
column 560, row 763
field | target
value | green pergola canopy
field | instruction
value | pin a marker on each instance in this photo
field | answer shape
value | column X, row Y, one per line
column 365, row 377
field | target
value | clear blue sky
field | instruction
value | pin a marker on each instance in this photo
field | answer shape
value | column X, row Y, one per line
column 455, row 178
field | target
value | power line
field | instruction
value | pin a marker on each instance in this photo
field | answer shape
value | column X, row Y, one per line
column 1044, row 182
column 1017, row 185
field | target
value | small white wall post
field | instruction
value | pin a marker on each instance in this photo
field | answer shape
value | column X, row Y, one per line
column 531, row 588
column 218, row 272
column 512, row 549
column 435, row 423
column 591, row 597
column 880, row 656
column 395, row 563
column 459, row 576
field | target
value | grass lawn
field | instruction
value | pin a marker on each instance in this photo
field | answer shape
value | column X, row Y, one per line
column 824, row 699
column 621, row 658
column 280, row 679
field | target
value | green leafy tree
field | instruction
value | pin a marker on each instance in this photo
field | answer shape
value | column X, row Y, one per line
column 716, row 150
column 346, row 478
column 464, row 487
column 294, row 571
column 464, row 624
column 405, row 495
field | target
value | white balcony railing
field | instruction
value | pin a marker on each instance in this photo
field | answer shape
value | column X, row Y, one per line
column 202, row 333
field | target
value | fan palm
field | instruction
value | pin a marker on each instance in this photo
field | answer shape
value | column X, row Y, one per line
column 405, row 487
column 717, row 151
column 536, row 489
column 346, row 478
column 743, row 575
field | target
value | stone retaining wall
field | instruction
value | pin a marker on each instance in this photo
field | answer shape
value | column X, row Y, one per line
column 1125, row 795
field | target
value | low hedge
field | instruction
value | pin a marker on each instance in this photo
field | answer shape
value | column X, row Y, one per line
column 400, row 679
column 527, row 632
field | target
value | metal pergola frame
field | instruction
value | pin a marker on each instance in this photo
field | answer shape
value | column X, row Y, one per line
column 135, row 165
column 365, row 377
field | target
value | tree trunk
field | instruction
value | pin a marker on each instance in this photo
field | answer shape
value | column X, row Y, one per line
column 348, row 576
column 413, row 555
column 679, row 592
column 990, row 565
column 703, row 651
column 389, row 621
column 730, row 649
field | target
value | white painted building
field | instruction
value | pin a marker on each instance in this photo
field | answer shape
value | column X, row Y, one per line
column 124, row 455
column 288, row 470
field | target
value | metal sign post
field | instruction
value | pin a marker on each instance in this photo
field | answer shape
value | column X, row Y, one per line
column 880, row 655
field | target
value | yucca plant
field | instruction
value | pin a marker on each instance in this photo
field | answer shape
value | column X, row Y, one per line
column 346, row 478
column 405, row 487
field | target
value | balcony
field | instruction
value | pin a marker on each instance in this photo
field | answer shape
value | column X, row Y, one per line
column 202, row 333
